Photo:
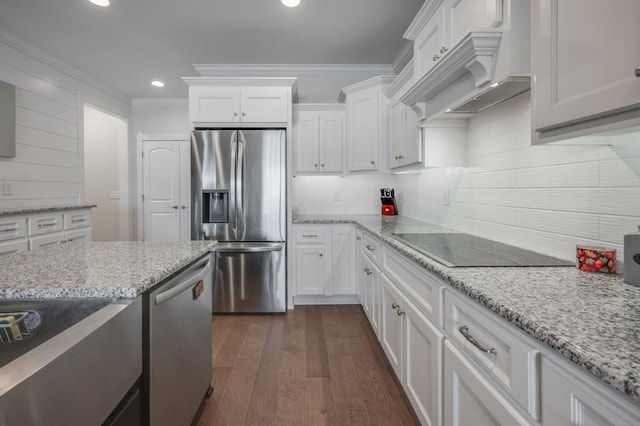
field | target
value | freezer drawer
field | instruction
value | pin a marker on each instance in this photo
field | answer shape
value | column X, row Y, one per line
column 250, row 278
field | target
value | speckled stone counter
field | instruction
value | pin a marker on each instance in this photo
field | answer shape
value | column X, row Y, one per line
column 591, row 319
column 94, row 269
column 42, row 209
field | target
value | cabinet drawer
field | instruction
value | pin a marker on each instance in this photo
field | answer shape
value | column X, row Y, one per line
column 420, row 286
column 511, row 361
column 13, row 228
column 309, row 234
column 77, row 219
column 77, row 235
column 45, row 224
column 372, row 248
column 14, row 246
column 46, row 240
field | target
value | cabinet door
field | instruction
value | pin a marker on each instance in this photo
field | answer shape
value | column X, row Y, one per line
column 429, row 43
column 364, row 138
column 397, row 133
column 585, row 55
column 370, row 290
column 8, row 247
column 469, row 399
column 214, row 104
column 465, row 15
column 310, row 270
column 359, row 265
column 391, row 324
column 331, row 141
column 78, row 235
column 264, row 105
column 413, row 145
column 46, row 240
column 307, row 141
column 343, row 250
column 422, row 377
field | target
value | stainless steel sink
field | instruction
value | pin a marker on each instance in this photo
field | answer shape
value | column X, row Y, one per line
column 56, row 315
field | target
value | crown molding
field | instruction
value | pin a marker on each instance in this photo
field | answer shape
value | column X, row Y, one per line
column 319, row 107
column 403, row 57
column 422, row 17
column 246, row 81
column 147, row 102
column 60, row 66
column 276, row 70
column 380, row 80
column 403, row 77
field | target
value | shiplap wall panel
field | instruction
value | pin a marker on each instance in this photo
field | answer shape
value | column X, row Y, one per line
column 17, row 171
column 33, row 102
column 41, row 121
column 45, row 156
column 26, row 80
column 44, row 139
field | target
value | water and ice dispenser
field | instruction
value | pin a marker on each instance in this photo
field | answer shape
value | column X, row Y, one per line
column 215, row 206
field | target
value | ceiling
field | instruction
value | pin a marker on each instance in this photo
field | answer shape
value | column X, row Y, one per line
column 128, row 44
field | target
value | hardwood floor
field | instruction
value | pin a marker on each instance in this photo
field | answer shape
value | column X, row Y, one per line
column 314, row 365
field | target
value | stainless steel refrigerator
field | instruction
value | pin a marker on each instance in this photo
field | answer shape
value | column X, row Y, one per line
column 238, row 197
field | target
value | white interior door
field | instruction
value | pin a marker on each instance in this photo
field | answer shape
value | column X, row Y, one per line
column 163, row 178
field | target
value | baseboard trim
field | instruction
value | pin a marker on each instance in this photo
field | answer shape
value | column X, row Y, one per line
column 349, row 299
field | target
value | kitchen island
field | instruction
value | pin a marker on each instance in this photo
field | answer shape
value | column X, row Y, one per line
column 591, row 320
column 96, row 361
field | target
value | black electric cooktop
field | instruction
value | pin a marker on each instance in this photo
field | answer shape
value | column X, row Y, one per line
column 456, row 250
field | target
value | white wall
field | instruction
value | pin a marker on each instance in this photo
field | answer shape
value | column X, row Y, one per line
column 106, row 177
column 353, row 194
column 48, row 166
column 546, row 198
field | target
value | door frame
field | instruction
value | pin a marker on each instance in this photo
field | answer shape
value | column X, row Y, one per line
column 139, row 176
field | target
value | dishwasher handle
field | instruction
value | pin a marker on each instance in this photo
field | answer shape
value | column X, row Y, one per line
column 191, row 279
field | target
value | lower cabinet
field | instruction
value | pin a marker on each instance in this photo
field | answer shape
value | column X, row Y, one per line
column 413, row 346
column 469, row 399
column 371, row 293
column 325, row 260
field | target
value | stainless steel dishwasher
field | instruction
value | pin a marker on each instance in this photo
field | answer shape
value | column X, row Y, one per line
column 177, row 360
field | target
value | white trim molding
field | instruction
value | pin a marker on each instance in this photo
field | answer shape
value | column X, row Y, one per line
column 278, row 70
column 372, row 82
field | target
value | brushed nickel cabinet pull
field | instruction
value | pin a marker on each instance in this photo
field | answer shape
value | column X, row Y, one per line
column 486, row 349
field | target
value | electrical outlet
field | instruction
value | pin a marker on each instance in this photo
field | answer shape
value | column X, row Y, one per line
column 7, row 188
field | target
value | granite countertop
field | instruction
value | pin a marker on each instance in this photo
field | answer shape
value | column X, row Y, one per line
column 591, row 319
column 116, row 269
column 42, row 209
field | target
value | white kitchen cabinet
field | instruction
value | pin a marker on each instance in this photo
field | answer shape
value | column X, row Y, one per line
column 359, row 263
column 14, row 246
column 311, row 270
column 441, row 25
column 469, row 399
column 319, row 138
column 325, row 260
column 391, row 324
column 367, row 124
column 571, row 398
column 586, row 65
column 58, row 227
column 13, row 235
column 238, row 104
column 371, row 293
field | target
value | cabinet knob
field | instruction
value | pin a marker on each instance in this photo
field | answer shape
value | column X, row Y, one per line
column 638, row 72
column 320, row 254
column 435, row 58
column 358, row 238
column 173, row 207
column 400, row 157
column 244, row 115
column 395, row 306
column 183, row 207
column 400, row 313
column 370, row 248
column 322, row 165
column 373, row 162
column 235, row 114
column 443, row 49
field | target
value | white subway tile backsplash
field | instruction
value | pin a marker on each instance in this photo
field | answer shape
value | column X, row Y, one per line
column 620, row 172
column 566, row 176
column 581, row 225
column 614, row 228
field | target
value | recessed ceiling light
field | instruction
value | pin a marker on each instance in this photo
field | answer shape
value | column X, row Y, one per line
column 102, row 3
column 157, row 83
column 290, row 3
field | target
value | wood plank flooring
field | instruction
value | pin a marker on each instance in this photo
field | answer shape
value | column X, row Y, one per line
column 316, row 365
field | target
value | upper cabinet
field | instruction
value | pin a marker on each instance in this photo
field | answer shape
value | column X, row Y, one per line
column 586, row 66
column 319, row 138
column 405, row 136
column 367, row 124
column 228, row 101
column 461, row 47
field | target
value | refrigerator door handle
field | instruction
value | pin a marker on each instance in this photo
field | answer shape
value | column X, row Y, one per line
column 240, row 225
column 233, row 211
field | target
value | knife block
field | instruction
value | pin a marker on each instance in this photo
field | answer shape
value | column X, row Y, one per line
column 389, row 206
